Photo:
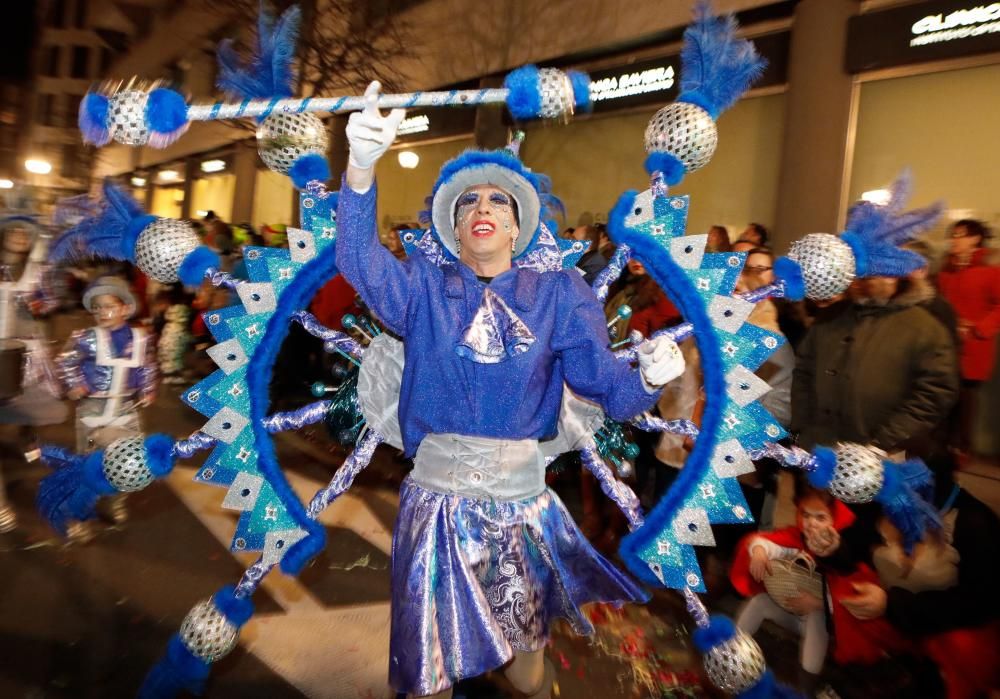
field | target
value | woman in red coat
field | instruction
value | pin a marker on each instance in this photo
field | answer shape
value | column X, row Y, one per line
column 970, row 281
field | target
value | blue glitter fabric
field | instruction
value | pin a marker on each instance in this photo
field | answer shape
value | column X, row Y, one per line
column 430, row 307
column 474, row 580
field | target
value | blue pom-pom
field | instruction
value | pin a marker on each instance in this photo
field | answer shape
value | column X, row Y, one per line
column 769, row 688
column 195, row 265
column 790, row 273
column 860, row 250
column 308, row 168
column 719, row 630
column 237, row 610
column 524, row 97
column 159, row 454
column 581, row 90
column 668, row 165
column 93, row 119
column 178, row 670
column 826, row 464
column 303, row 551
column 166, row 116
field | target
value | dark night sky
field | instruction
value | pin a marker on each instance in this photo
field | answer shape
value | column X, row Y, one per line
column 17, row 37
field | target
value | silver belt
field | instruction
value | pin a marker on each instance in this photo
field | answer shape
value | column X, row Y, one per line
column 480, row 467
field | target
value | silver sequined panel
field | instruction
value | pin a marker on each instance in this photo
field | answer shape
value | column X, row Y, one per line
column 827, row 264
column 162, row 246
column 685, row 130
column 556, row 91
column 206, row 633
column 127, row 117
column 284, row 138
column 736, row 665
column 858, row 476
column 125, row 465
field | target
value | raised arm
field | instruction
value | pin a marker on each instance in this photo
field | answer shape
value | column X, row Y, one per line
column 378, row 277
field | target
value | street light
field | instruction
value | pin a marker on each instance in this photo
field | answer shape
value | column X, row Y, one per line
column 6, row 184
column 138, row 181
column 169, row 175
column 38, row 167
column 213, row 166
column 408, row 159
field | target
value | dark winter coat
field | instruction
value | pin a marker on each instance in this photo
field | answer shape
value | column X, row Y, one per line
column 884, row 375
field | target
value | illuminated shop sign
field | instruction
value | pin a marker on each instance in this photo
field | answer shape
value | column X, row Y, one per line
column 960, row 24
column 628, row 84
column 926, row 31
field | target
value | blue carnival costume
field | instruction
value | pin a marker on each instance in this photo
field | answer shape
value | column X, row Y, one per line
column 484, row 555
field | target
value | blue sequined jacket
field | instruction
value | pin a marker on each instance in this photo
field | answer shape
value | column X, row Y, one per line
column 78, row 366
column 429, row 306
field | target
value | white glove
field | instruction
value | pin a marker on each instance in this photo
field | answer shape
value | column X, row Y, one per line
column 660, row 362
column 369, row 134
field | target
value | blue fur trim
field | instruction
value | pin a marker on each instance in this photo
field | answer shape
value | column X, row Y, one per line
column 93, row 119
column 668, row 165
column 237, row 610
column 312, row 166
column 132, row 232
column 524, row 99
column 715, row 64
column 672, row 279
column 193, row 268
column 178, row 670
column 297, row 295
column 696, row 98
column 790, row 272
column 159, row 454
column 581, row 90
column 719, row 630
column 769, row 688
column 269, row 71
column 73, row 489
column 909, row 513
column 826, row 464
column 860, row 253
column 166, row 114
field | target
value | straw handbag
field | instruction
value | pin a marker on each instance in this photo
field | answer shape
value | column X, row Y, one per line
column 790, row 577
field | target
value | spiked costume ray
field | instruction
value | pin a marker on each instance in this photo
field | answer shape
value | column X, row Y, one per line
column 459, row 337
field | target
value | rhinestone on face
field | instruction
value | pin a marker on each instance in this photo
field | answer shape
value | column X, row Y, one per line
column 827, row 264
column 858, row 476
column 162, row 247
column 735, row 665
column 124, row 465
column 284, row 138
column 685, row 130
column 207, row 633
column 127, row 117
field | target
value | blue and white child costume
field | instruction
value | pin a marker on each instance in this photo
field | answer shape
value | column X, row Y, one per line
column 479, row 572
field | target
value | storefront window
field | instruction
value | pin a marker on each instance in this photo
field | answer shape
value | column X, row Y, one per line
column 272, row 202
column 213, row 194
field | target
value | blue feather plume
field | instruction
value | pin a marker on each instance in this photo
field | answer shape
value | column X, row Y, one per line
column 717, row 67
column 109, row 234
column 874, row 231
column 269, row 71
column 909, row 513
column 71, row 492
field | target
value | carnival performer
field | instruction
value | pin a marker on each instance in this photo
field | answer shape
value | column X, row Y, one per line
column 25, row 296
column 110, row 371
column 484, row 555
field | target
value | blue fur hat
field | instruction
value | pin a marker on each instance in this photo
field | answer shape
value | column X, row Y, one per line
column 501, row 169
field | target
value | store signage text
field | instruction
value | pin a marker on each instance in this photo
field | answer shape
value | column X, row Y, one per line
column 961, row 24
column 629, row 84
